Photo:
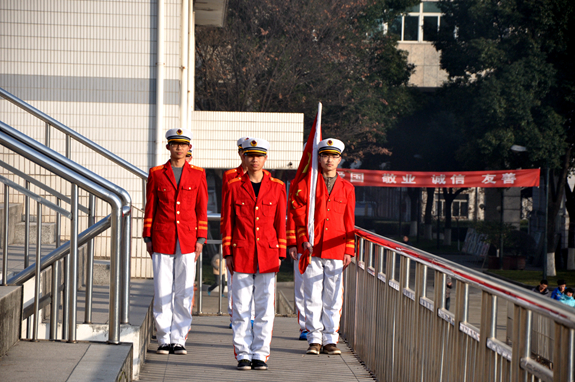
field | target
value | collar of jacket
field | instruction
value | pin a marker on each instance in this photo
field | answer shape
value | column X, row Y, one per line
column 170, row 173
column 247, row 184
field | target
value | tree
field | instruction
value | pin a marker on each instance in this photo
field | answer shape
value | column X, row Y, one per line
column 427, row 140
column 511, row 82
column 285, row 56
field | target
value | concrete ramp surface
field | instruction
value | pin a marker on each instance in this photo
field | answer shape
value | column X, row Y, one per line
column 211, row 357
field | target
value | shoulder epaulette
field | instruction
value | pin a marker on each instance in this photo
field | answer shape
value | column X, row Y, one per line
column 157, row 168
column 234, row 180
column 196, row 167
column 230, row 171
column 277, row 181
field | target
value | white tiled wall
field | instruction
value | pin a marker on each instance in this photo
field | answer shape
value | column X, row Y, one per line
column 91, row 64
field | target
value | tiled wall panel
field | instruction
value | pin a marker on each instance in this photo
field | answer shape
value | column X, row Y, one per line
column 91, row 64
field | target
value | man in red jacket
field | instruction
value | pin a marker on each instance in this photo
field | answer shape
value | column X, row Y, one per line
column 254, row 242
column 331, row 250
column 229, row 175
column 175, row 229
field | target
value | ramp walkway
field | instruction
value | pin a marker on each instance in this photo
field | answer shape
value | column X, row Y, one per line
column 210, row 357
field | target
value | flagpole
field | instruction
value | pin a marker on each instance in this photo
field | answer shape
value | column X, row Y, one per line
column 313, row 179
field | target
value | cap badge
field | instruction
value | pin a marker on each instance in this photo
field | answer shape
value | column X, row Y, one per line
column 179, row 132
column 253, row 143
column 330, row 143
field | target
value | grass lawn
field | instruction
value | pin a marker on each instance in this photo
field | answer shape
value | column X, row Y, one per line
column 533, row 277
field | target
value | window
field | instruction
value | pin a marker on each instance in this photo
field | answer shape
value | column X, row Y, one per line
column 420, row 23
column 459, row 207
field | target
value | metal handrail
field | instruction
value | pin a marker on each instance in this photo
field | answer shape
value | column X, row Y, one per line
column 59, row 253
column 73, row 134
column 525, row 298
column 115, row 202
column 125, row 249
column 402, row 334
column 35, row 197
column 125, row 263
column 40, row 185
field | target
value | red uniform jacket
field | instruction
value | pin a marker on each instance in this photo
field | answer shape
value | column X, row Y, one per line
column 254, row 230
column 334, row 228
column 176, row 213
column 229, row 175
column 290, row 232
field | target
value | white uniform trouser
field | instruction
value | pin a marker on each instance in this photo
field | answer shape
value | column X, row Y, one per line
column 298, row 291
column 253, row 343
column 253, row 311
column 323, row 291
column 174, row 277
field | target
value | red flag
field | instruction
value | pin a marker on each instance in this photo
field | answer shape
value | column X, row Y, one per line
column 307, row 171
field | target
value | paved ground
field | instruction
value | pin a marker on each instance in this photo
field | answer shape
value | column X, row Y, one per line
column 60, row 361
column 210, row 358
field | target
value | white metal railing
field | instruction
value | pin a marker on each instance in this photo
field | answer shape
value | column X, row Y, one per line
column 77, row 177
column 50, row 124
column 404, row 333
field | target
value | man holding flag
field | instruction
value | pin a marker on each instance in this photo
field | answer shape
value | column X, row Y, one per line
column 323, row 208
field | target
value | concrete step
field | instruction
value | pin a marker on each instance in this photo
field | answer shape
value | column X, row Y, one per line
column 48, row 233
column 137, row 332
column 61, row 361
column 10, row 313
column 101, row 275
column 15, row 216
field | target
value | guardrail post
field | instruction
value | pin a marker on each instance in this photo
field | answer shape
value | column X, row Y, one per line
column 489, row 311
column 90, row 261
column 47, row 135
column 55, row 300
column 5, row 235
column 221, row 288
column 114, row 310
column 68, row 147
column 460, row 313
column 73, row 277
column 125, row 264
column 38, row 271
column 199, row 280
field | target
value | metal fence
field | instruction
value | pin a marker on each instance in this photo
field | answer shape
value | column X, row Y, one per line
column 119, row 222
column 53, row 134
column 396, row 320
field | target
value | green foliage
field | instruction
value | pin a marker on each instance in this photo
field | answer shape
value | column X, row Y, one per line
column 285, row 56
column 511, row 80
column 520, row 244
column 495, row 233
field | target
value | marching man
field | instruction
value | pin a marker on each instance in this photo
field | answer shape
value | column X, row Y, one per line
column 331, row 250
column 175, row 228
column 229, row 175
column 254, row 242
column 189, row 154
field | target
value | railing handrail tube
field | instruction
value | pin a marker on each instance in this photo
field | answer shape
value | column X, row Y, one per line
column 68, row 131
column 40, row 185
column 116, row 224
column 45, row 202
column 495, row 286
column 61, row 159
column 58, row 168
column 60, row 252
column 125, row 248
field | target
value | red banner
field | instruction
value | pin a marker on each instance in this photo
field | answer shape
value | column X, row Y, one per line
column 484, row 179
